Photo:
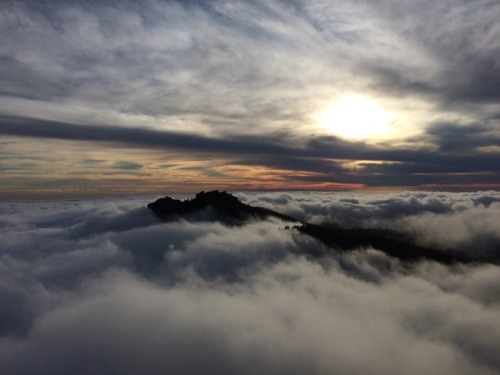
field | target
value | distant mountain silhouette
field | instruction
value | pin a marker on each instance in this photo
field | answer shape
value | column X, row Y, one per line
column 390, row 242
column 230, row 210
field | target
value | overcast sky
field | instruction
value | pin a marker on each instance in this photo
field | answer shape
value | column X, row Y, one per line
column 183, row 95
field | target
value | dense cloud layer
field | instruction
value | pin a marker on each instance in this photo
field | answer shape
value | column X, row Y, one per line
column 101, row 286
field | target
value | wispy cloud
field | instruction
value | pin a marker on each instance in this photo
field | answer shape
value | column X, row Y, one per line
column 214, row 75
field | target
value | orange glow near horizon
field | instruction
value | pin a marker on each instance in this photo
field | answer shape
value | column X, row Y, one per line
column 84, row 169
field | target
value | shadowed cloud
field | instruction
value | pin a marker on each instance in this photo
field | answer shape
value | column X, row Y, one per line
column 103, row 286
column 322, row 155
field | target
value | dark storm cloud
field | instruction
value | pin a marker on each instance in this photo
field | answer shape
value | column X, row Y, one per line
column 96, row 286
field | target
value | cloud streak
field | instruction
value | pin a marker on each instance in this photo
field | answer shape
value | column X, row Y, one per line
column 322, row 155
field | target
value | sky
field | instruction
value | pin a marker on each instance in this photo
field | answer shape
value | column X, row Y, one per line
column 180, row 96
column 102, row 286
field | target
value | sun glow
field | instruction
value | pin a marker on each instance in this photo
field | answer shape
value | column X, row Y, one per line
column 356, row 117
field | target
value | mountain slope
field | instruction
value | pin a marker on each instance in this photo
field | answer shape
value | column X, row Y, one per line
column 230, row 210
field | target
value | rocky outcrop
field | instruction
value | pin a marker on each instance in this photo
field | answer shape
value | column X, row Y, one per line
column 392, row 243
column 226, row 208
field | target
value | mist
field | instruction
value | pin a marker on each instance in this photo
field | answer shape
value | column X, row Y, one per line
column 103, row 286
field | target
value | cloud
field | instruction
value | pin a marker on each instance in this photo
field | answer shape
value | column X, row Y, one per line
column 451, row 137
column 228, row 74
column 474, row 229
column 127, row 165
column 464, row 43
column 463, row 221
column 175, row 54
column 323, row 158
column 168, row 58
column 102, row 286
column 361, row 209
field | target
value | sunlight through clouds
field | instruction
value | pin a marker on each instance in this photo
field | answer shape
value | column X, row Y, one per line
column 356, row 117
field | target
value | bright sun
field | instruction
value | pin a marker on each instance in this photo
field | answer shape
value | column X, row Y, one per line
column 356, row 117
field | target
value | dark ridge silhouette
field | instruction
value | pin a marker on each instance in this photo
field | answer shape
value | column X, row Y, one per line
column 230, row 210
column 390, row 242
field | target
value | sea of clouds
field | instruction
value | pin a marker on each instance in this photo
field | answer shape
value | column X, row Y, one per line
column 101, row 286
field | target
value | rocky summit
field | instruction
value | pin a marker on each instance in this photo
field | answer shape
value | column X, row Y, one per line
column 225, row 207
column 228, row 209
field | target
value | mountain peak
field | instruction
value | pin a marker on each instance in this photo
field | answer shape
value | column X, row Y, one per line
column 228, row 208
column 216, row 197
